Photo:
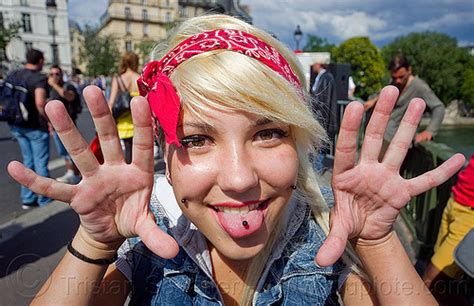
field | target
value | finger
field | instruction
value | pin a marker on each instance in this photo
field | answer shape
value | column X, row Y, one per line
column 142, row 152
column 402, row 140
column 436, row 176
column 72, row 140
column 373, row 137
column 156, row 240
column 39, row 184
column 333, row 248
column 346, row 147
column 105, row 125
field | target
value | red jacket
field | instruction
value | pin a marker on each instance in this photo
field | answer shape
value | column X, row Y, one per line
column 463, row 191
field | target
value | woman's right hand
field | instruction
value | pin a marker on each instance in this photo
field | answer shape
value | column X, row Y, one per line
column 112, row 199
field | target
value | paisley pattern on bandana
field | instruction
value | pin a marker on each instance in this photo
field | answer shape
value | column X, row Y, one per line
column 164, row 101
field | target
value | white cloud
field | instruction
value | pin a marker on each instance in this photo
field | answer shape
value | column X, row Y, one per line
column 338, row 20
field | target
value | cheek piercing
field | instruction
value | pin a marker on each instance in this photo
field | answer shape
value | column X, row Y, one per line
column 183, row 200
column 293, row 187
column 245, row 223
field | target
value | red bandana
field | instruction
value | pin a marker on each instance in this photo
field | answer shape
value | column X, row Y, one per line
column 162, row 97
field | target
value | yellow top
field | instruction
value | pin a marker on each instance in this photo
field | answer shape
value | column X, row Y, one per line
column 125, row 123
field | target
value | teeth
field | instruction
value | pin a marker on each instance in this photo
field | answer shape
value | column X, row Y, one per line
column 238, row 210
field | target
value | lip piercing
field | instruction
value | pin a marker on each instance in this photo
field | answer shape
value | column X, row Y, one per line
column 293, row 187
column 245, row 223
column 183, row 200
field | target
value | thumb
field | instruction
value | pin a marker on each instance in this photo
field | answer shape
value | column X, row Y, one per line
column 334, row 246
column 156, row 240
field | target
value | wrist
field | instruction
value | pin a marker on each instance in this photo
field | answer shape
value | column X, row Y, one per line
column 93, row 249
column 361, row 244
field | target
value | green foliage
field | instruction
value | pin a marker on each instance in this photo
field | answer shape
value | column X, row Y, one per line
column 100, row 52
column 144, row 49
column 435, row 58
column 6, row 35
column 315, row 43
column 467, row 87
column 366, row 63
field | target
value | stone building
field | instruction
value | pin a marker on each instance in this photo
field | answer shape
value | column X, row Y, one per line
column 135, row 21
column 77, row 41
column 42, row 29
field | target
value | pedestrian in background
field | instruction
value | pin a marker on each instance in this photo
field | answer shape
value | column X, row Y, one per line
column 33, row 135
column 325, row 108
column 410, row 87
column 126, row 80
column 456, row 222
column 66, row 93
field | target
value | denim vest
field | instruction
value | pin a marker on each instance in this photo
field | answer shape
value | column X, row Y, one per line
column 290, row 278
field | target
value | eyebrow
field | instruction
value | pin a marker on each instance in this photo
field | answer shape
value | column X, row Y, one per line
column 262, row 121
column 209, row 128
column 199, row 125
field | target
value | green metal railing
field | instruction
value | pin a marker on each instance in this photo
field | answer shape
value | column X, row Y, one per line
column 423, row 214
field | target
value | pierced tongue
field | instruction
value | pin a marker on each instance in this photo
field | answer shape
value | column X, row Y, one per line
column 235, row 226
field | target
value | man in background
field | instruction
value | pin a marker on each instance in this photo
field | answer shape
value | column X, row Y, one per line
column 68, row 95
column 410, row 87
column 325, row 109
column 33, row 135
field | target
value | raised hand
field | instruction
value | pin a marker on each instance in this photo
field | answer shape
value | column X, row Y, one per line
column 112, row 199
column 369, row 194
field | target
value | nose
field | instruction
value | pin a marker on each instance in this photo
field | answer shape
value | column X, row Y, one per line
column 237, row 172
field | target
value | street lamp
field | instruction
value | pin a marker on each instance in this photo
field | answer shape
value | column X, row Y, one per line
column 298, row 35
column 52, row 9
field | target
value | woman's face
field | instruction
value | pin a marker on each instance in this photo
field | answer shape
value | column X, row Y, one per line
column 235, row 171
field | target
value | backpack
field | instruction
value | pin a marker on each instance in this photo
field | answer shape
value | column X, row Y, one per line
column 13, row 100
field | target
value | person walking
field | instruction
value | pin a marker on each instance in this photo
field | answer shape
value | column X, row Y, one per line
column 325, row 109
column 33, row 135
column 410, row 87
column 68, row 95
column 125, row 81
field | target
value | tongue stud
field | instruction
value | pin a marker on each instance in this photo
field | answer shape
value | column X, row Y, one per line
column 245, row 223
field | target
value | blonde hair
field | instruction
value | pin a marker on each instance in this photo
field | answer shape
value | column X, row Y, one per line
column 263, row 92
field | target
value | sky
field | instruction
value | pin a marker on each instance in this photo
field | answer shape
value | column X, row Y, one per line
column 338, row 20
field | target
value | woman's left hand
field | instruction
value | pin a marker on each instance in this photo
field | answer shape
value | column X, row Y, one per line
column 369, row 194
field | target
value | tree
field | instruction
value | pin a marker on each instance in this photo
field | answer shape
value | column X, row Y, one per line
column 6, row 35
column 467, row 87
column 315, row 43
column 100, row 52
column 366, row 62
column 144, row 49
column 435, row 58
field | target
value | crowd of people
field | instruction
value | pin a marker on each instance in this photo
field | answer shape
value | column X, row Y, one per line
column 33, row 135
column 239, row 216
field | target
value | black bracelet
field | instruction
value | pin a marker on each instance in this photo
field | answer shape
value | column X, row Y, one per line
column 101, row 261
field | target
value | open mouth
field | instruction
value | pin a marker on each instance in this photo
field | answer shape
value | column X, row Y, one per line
column 242, row 210
column 241, row 220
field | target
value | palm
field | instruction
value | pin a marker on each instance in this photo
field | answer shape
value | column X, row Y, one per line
column 369, row 194
column 112, row 198
column 118, row 204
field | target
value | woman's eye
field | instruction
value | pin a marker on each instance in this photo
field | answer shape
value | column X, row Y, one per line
column 194, row 141
column 271, row 134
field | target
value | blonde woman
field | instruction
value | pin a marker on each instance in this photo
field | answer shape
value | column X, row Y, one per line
column 238, row 218
column 126, row 80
